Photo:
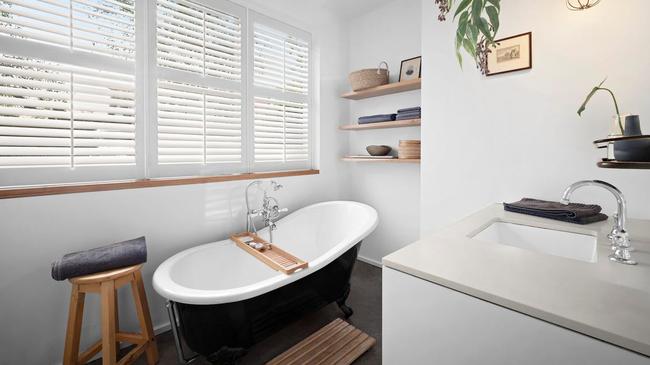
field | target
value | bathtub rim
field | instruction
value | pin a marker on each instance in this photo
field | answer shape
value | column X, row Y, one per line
column 166, row 287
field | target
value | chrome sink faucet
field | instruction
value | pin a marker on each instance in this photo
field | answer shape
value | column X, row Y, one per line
column 270, row 210
column 618, row 236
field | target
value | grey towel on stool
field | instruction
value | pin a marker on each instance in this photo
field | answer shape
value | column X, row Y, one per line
column 123, row 254
column 572, row 213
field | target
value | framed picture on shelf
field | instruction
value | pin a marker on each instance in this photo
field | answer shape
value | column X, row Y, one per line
column 511, row 54
column 411, row 69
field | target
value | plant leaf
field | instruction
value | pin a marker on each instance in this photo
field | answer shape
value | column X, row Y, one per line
column 493, row 14
column 462, row 25
column 472, row 34
column 469, row 47
column 589, row 96
column 462, row 6
column 459, row 57
column 484, row 27
column 496, row 3
column 477, row 9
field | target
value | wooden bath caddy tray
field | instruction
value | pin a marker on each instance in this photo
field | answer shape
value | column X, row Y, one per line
column 272, row 255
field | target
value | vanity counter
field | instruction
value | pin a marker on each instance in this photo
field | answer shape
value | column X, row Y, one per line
column 603, row 299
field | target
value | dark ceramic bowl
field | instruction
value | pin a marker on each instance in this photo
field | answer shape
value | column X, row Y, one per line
column 378, row 150
column 638, row 151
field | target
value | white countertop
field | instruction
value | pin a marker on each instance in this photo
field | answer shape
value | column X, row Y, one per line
column 604, row 300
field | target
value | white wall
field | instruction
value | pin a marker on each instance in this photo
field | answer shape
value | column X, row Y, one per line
column 504, row 137
column 391, row 33
column 36, row 231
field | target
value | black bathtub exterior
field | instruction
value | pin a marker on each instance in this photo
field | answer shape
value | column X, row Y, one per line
column 223, row 331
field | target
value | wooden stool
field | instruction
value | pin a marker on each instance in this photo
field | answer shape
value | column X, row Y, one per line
column 106, row 284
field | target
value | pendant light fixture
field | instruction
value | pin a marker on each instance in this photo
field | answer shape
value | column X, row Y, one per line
column 581, row 4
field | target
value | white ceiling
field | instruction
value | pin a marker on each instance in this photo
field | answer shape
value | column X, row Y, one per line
column 349, row 8
column 313, row 10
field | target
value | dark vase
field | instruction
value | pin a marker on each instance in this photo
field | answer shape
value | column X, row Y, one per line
column 632, row 150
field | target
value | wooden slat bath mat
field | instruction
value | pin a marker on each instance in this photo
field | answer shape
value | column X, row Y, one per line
column 338, row 343
column 270, row 254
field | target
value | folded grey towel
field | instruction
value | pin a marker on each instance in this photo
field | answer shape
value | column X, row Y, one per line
column 573, row 213
column 100, row 259
column 407, row 110
column 377, row 118
column 408, row 116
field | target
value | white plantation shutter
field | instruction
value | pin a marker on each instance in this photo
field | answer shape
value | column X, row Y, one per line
column 281, row 131
column 100, row 26
column 280, row 96
column 61, row 115
column 67, row 91
column 281, row 61
column 199, row 61
column 198, row 125
column 197, row 39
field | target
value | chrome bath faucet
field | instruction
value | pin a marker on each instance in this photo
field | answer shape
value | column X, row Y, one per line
column 270, row 210
column 618, row 236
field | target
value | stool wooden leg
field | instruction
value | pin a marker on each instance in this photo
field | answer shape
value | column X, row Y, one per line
column 142, row 308
column 117, row 323
column 109, row 350
column 73, row 332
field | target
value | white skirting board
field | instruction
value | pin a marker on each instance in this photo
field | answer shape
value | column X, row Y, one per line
column 369, row 261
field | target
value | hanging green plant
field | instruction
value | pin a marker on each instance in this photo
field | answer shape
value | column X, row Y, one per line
column 478, row 24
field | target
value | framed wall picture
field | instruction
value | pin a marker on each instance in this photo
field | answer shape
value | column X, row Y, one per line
column 511, row 54
column 411, row 69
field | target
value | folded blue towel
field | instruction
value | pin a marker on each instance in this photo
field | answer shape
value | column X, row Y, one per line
column 377, row 118
column 409, row 114
column 123, row 254
column 405, row 117
column 406, row 110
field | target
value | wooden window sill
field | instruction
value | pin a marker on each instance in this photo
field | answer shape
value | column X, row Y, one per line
column 40, row 190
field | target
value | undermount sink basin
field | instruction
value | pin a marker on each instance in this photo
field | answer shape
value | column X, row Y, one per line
column 546, row 241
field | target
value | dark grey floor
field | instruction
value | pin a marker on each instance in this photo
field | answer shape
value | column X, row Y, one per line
column 365, row 299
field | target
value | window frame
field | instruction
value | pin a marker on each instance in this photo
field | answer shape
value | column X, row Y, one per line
column 256, row 91
column 38, row 175
column 147, row 73
column 156, row 73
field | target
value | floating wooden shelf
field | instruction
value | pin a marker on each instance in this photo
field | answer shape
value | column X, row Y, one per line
column 613, row 164
column 380, row 125
column 393, row 88
column 385, row 160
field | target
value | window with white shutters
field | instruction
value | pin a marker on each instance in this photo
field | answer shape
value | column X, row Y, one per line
column 99, row 90
column 280, row 96
column 199, row 88
column 67, row 91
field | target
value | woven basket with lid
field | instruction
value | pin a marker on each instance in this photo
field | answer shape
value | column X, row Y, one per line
column 369, row 77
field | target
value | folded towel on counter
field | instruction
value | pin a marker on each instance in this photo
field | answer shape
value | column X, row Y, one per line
column 100, row 259
column 377, row 118
column 408, row 110
column 572, row 213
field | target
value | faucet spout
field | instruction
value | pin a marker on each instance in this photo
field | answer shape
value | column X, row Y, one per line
column 618, row 236
column 621, row 203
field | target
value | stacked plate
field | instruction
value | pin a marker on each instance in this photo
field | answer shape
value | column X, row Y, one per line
column 409, row 149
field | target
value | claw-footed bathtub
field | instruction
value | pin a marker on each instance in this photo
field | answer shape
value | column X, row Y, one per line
column 227, row 300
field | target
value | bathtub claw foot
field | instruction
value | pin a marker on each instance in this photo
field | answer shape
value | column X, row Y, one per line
column 347, row 311
column 226, row 356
